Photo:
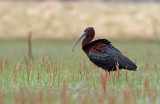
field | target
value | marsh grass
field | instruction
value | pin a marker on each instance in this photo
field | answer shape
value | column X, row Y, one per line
column 59, row 75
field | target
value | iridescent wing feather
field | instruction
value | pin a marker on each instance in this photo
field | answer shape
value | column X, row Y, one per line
column 106, row 56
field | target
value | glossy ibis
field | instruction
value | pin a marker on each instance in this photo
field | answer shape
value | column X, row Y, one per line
column 102, row 53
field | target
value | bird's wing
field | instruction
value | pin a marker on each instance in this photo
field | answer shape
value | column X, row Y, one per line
column 107, row 56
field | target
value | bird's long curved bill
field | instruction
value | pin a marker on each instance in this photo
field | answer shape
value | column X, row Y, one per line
column 81, row 37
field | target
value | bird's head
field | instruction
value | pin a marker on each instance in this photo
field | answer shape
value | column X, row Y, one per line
column 87, row 32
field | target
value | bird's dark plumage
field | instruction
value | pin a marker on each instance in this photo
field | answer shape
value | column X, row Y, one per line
column 103, row 54
column 106, row 56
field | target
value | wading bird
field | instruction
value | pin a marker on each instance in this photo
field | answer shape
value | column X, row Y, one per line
column 102, row 53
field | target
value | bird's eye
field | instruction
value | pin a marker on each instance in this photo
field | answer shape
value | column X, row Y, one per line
column 87, row 33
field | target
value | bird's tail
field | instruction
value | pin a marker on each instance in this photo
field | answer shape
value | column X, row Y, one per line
column 132, row 67
column 128, row 64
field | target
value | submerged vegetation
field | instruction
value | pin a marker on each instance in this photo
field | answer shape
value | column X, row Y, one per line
column 58, row 75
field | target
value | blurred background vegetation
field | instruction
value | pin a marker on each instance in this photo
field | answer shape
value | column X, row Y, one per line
column 67, row 20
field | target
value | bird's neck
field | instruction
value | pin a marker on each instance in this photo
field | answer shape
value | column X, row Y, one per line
column 85, row 43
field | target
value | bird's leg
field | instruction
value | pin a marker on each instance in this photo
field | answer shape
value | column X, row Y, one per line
column 109, row 76
column 117, row 69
